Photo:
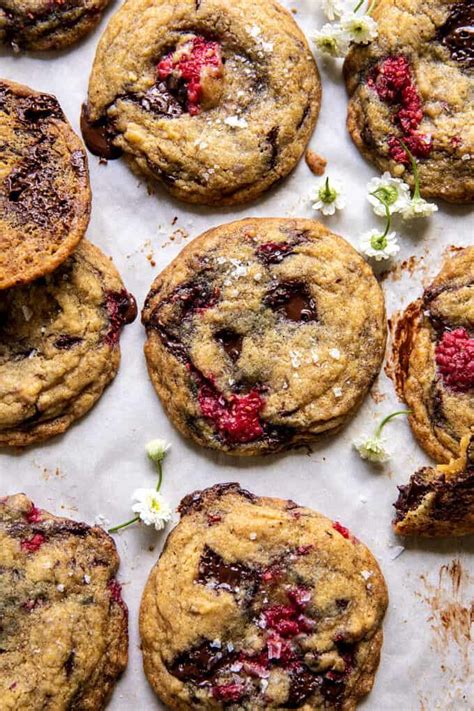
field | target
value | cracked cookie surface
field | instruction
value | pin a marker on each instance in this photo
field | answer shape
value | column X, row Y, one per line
column 47, row 24
column 59, row 345
column 439, row 501
column 63, row 638
column 258, row 603
column 196, row 95
column 44, row 185
column 433, row 353
column 263, row 334
column 415, row 82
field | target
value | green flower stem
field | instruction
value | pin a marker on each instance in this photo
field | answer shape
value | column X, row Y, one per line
column 389, row 220
column 160, row 475
column 123, row 525
column 371, row 7
column 359, row 5
column 386, row 420
column 416, row 194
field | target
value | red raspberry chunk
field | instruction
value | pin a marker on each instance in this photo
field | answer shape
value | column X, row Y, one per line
column 341, row 529
column 455, row 359
column 228, row 692
column 34, row 543
column 237, row 418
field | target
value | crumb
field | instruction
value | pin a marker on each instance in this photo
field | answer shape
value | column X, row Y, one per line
column 316, row 163
column 175, row 220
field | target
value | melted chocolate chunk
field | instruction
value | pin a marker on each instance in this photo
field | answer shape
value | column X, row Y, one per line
column 66, row 342
column 200, row 663
column 231, row 342
column 69, row 664
column 33, row 109
column 195, row 295
column 122, row 309
column 221, row 575
column 159, row 100
column 272, row 139
column 454, row 497
column 294, row 300
column 303, row 683
column 274, row 252
column 200, row 499
column 98, row 136
column 457, row 33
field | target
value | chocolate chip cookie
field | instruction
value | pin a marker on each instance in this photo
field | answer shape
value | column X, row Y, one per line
column 47, row 24
column 415, row 84
column 63, row 637
column 258, row 603
column 195, row 94
column 439, row 501
column 263, row 334
column 433, row 356
column 44, row 185
column 59, row 345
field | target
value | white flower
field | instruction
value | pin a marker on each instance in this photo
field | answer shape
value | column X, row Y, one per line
column 360, row 29
column 392, row 192
column 417, row 207
column 156, row 449
column 151, row 507
column 372, row 449
column 378, row 246
column 333, row 9
column 331, row 40
column 329, row 197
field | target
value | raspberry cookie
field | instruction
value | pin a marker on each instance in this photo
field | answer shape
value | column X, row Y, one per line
column 59, row 345
column 196, row 95
column 434, row 359
column 439, row 501
column 415, row 83
column 279, row 608
column 63, row 638
column 47, row 24
column 263, row 334
column 44, row 185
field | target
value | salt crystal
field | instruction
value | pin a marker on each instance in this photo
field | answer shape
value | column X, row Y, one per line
column 253, row 536
column 236, row 122
column 335, row 353
column 60, row 587
column 337, row 392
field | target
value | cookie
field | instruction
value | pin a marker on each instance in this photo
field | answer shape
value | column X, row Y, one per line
column 433, row 355
column 63, row 637
column 45, row 196
column 263, row 334
column 415, row 83
column 59, row 345
column 196, row 96
column 258, row 603
column 439, row 501
column 47, row 24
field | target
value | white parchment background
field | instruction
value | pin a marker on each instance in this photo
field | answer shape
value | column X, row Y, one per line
column 94, row 467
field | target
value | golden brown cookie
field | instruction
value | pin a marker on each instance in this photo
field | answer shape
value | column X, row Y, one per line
column 63, row 633
column 433, row 355
column 47, row 24
column 59, row 345
column 263, row 334
column 439, row 501
column 195, row 94
column 44, row 185
column 258, row 603
column 415, row 83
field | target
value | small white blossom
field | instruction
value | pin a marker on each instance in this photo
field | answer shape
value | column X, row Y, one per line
column 329, row 197
column 156, row 449
column 392, row 192
column 331, row 40
column 378, row 246
column 333, row 9
column 417, row 207
column 151, row 507
column 372, row 449
column 360, row 29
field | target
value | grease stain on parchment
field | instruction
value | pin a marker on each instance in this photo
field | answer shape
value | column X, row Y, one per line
column 449, row 596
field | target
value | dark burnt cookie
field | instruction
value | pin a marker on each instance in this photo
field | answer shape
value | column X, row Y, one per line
column 439, row 501
column 263, row 334
column 63, row 633
column 47, row 24
column 433, row 354
column 196, row 96
column 59, row 345
column 44, row 185
column 415, row 83
column 279, row 608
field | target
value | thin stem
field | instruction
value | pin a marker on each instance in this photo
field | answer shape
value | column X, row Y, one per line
column 160, row 475
column 389, row 220
column 124, row 525
column 359, row 5
column 387, row 419
column 414, row 166
column 371, row 7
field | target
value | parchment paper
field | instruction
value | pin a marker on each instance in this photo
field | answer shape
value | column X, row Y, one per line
column 96, row 465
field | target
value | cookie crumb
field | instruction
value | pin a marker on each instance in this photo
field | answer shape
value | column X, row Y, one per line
column 316, row 163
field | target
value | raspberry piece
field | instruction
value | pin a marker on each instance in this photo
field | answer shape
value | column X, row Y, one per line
column 341, row 529
column 455, row 359
column 228, row 692
column 34, row 543
column 190, row 63
column 33, row 515
column 116, row 593
column 237, row 418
